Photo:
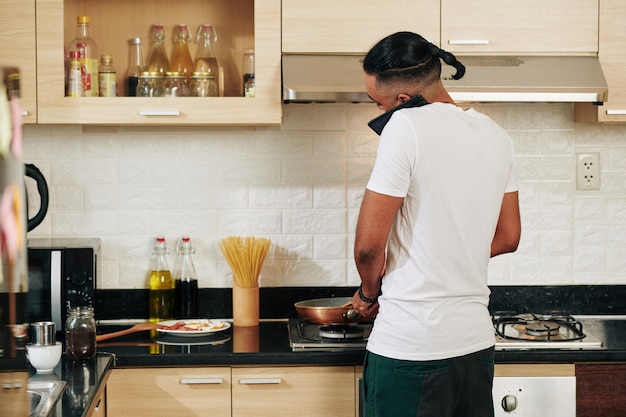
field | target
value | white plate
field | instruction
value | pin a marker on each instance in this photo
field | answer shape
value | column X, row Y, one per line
column 204, row 327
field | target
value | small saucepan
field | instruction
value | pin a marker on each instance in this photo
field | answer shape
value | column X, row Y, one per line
column 335, row 310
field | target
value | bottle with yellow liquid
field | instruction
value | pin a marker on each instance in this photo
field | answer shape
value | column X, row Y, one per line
column 181, row 57
column 161, row 285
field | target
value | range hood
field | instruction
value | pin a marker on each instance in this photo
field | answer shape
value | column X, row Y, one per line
column 339, row 78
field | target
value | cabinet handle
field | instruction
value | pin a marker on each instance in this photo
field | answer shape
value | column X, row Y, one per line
column 191, row 381
column 159, row 112
column 25, row 113
column 260, row 381
column 616, row 112
column 468, row 42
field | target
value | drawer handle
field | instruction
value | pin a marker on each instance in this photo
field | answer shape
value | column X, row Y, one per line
column 260, row 381
column 159, row 112
column 468, row 42
column 616, row 112
column 192, row 381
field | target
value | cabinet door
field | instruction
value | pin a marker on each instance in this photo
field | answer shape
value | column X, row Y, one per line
column 519, row 26
column 240, row 24
column 600, row 390
column 353, row 26
column 17, row 49
column 613, row 61
column 166, row 392
column 288, row 391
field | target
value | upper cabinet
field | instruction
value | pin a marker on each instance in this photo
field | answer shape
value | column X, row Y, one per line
column 612, row 47
column 240, row 25
column 520, row 26
column 17, row 49
column 353, row 26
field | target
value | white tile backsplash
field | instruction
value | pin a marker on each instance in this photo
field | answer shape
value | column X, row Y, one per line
column 300, row 184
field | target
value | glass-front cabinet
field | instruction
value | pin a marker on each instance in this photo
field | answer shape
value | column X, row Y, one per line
column 240, row 25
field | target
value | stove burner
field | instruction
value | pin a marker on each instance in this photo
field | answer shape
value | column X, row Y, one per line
column 542, row 328
column 338, row 331
column 552, row 327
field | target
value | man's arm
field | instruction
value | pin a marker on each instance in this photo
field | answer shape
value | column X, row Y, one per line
column 509, row 228
column 377, row 214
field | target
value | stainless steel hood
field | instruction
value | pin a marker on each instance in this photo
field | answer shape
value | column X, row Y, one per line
column 339, row 78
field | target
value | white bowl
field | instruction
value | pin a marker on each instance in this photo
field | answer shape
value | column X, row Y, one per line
column 44, row 358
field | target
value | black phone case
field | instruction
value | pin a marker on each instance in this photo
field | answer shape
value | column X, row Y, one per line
column 378, row 124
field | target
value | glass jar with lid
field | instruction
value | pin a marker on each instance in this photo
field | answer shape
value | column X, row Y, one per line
column 150, row 84
column 203, row 85
column 80, row 333
column 176, row 85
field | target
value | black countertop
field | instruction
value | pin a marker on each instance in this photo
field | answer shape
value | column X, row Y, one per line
column 268, row 344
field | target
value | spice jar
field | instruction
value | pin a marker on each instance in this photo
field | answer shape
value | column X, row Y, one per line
column 203, row 85
column 176, row 85
column 80, row 333
column 150, row 84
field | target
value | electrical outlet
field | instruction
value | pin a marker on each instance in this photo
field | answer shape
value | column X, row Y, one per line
column 588, row 171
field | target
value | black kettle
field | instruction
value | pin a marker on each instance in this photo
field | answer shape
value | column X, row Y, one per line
column 42, row 188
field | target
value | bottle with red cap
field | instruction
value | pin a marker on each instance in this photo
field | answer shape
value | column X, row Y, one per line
column 181, row 57
column 186, row 281
column 161, row 286
column 87, row 56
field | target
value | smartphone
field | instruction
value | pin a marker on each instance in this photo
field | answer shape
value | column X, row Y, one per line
column 377, row 124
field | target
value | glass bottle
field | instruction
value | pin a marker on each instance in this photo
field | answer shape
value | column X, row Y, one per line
column 135, row 66
column 158, row 61
column 186, row 281
column 74, row 79
column 88, row 57
column 206, row 59
column 181, row 57
column 80, row 333
column 249, row 89
column 161, row 286
column 107, row 77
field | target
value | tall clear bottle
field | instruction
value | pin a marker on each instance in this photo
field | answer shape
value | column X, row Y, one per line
column 135, row 66
column 161, row 285
column 206, row 58
column 249, row 82
column 88, row 57
column 186, row 281
column 158, row 61
column 181, row 57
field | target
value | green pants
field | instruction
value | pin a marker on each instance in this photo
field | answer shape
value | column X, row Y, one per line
column 455, row 387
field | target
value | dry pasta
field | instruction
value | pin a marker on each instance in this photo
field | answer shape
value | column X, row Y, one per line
column 245, row 256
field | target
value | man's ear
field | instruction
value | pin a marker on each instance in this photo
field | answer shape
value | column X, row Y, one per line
column 402, row 97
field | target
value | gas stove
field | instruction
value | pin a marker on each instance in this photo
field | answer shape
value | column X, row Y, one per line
column 513, row 331
column 552, row 330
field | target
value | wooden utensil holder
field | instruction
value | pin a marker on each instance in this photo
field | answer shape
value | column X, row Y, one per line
column 245, row 306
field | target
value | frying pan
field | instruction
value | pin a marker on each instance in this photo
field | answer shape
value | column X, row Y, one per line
column 335, row 310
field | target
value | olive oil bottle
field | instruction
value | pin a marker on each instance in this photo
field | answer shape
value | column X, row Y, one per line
column 161, row 285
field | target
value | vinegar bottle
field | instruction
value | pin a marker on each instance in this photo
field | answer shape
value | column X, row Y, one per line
column 135, row 66
column 88, row 57
column 161, row 286
column 181, row 57
column 186, row 281
column 158, row 61
column 206, row 60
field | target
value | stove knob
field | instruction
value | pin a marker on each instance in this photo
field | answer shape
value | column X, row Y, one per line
column 509, row 403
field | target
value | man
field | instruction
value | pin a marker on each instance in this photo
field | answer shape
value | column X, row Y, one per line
column 441, row 200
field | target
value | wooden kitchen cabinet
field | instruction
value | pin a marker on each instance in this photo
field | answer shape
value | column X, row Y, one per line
column 167, row 392
column 612, row 44
column 353, row 26
column 286, row 391
column 520, row 26
column 18, row 49
column 600, row 390
column 240, row 24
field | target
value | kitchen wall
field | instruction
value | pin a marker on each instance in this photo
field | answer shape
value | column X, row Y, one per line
column 300, row 184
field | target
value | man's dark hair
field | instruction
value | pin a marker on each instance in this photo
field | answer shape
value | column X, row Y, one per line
column 406, row 57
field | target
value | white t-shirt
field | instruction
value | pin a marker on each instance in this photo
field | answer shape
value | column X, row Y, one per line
column 452, row 166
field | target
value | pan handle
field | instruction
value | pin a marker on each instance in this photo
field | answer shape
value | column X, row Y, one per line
column 351, row 315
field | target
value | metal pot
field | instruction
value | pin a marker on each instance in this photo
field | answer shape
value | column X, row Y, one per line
column 335, row 310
